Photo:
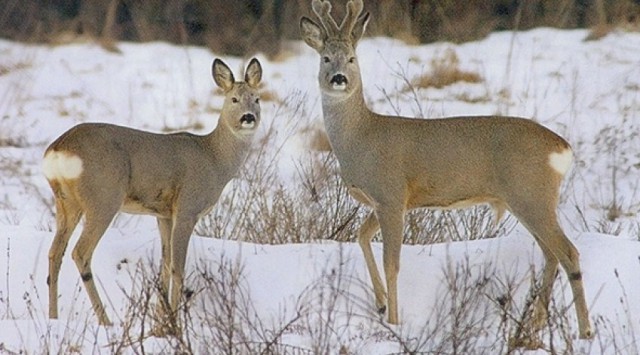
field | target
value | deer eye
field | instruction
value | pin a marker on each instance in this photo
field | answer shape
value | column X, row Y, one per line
column 234, row 100
column 258, row 100
column 352, row 60
column 326, row 59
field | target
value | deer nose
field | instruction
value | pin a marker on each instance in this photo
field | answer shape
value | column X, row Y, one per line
column 339, row 79
column 248, row 120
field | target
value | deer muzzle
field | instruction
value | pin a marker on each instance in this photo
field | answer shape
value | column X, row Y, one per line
column 248, row 120
column 339, row 82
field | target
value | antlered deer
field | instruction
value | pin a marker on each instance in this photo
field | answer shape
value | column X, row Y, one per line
column 394, row 164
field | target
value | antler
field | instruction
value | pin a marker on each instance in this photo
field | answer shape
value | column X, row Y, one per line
column 354, row 9
column 322, row 9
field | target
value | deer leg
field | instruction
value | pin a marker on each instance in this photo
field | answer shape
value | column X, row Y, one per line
column 498, row 208
column 165, row 225
column 165, row 320
column 67, row 217
column 180, row 236
column 391, row 224
column 541, row 306
column 568, row 256
column 95, row 226
column 365, row 234
column 544, row 225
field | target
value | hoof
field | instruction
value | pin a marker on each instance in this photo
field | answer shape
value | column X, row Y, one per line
column 161, row 330
column 528, row 343
column 165, row 322
column 158, row 331
column 105, row 322
column 587, row 334
column 382, row 310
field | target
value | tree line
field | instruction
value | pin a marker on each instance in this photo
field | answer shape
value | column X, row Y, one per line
column 242, row 27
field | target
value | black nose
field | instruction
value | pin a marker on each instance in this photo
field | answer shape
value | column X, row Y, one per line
column 248, row 118
column 339, row 79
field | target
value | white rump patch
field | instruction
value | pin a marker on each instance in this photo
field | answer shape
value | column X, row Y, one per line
column 561, row 162
column 61, row 165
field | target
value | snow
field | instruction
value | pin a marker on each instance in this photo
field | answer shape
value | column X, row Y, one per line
column 589, row 92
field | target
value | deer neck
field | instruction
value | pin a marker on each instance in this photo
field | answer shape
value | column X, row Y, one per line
column 344, row 115
column 229, row 148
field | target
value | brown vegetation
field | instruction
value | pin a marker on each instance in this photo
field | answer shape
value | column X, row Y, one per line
column 244, row 27
column 445, row 70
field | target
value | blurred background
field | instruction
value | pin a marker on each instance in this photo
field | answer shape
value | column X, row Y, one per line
column 266, row 24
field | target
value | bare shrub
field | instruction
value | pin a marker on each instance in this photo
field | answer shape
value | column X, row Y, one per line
column 334, row 313
column 477, row 310
column 13, row 97
column 217, row 314
column 314, row 204
column 259, row 208
column 618, row 148
column 226, row 317
column 463, row 320
column 515, row 327
column 427, row 226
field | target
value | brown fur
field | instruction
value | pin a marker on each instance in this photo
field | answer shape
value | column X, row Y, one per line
column 394, row 164
column 174, row 177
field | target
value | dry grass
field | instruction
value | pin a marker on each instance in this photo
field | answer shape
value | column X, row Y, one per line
column 270, row 96
column 316, row 139
column 477, row 310
column 6, row 68
column 445, row 70
column 258, row 208
column 599, row 31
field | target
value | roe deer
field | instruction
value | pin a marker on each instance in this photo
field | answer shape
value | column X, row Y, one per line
column 394, row 164
column 97, row 170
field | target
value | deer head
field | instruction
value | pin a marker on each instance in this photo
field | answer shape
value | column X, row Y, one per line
column 339, row 71
column 241, row 107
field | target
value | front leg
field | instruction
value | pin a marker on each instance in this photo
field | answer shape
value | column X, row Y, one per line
column 165, row 225
column 175, row 234
column 391, row 221
column 180, row 236
column 365, row 234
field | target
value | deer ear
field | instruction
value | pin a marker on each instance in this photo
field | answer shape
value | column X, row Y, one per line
column 222, row 75
column 253, row 74
column 312, row 34
column 359, row 28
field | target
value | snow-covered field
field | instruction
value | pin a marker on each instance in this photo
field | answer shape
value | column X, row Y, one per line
column 589, row 92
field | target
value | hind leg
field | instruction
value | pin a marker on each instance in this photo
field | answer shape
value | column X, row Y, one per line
column 541, row 306
column 568, row 256
column 97, row 221
column 68, row 214
column 543, row 224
